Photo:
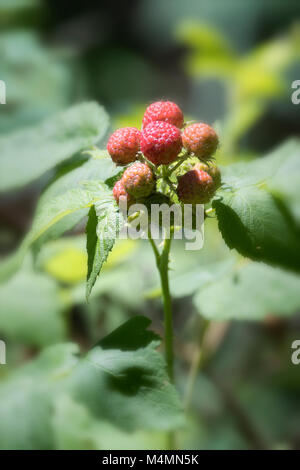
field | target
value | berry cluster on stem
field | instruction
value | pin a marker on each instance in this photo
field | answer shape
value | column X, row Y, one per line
column 157, row 151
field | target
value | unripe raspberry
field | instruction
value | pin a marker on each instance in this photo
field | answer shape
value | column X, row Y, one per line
column 161, row 142
column 201, row 139
column 195, row 187
column 120, row 192
column 164, row 111
column 138, row 180
column 124, row 144
column 212, row 170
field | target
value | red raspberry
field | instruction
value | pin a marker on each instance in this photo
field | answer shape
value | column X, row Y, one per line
column 120, row 192
column 124, row 144
column 161, row 142
column 138, row 180
column 163, row 111
column 212, row 170
column 200, row 139
column 195, row 187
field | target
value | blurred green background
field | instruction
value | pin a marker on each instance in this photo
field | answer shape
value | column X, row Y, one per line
column 229, row 63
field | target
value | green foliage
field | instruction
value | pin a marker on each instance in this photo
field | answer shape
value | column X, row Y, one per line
column 116, row 385
column 250, row 218
column 131, row 335
column 19, row 12
column 127, row 388
column 42, row 147
column 252, row 291
column 251, row 80
column 40, row 80
column 121, row 385
column 210, row 53
column 48, row 214
column 102, row 229
column 63, row 205
column 187, row 283
column 253, row 223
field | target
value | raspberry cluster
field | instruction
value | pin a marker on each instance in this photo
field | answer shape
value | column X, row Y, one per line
column 163, row 140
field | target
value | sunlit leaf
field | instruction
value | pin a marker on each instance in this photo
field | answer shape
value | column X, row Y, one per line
column 42, row 147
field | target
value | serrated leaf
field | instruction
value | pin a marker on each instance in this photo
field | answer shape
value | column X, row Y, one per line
column 42, row 147
column 102, row 170
column 102, row 228
column 65, row 259
column 252, row 222
column 92, row 248
column 50, row 212
column 252, row 292
column 261, row 170
column 129, row 389
column 253, row 216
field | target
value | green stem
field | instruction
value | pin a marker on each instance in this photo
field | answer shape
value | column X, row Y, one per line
column 162, row 263
column 180, row 161
column 168, row 320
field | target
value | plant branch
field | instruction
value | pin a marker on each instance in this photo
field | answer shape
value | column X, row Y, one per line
column 163, row 268
column 162, row 263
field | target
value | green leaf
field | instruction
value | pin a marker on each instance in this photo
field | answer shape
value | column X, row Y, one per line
column 92, row 248
column 252, row 292
column 261, row 170
column 131, row 335
column 102, row 170
column 128, row 389
column 252, row 222
column 102, row 227
column 284, row 183
column 52, row 211
column 42, row 147
column 253, row 217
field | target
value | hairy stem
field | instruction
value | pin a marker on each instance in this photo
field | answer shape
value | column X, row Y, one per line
column 162, row 262
column 168, row 320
